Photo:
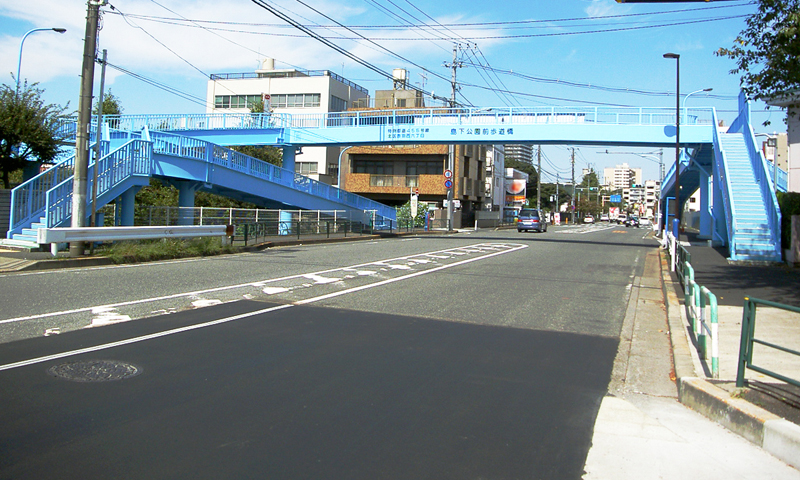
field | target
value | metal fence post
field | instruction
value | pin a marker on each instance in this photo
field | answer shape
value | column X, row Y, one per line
column 708, row 299
column 745, row 345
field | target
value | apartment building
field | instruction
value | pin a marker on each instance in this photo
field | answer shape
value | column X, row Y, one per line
column 289, row 91
column 390, row 173
column 621, row 176
column 523, row 153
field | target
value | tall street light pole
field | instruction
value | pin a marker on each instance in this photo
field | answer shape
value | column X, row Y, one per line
column 677, row 58
column 19, row 63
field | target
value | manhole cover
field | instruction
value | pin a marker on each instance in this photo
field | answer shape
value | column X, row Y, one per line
column 95, row 371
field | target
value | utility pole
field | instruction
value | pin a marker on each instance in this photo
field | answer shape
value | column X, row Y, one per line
column 79, row 181
column 539, row 179
column 558, row 202
column 572, row 201
column 98, row 143
column 451, row 148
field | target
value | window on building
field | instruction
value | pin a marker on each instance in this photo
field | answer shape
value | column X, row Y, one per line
column 338, row 104
column 295, row 100
column 236, row 101
column 424, row 168
column 305, row 168
column 373, row 167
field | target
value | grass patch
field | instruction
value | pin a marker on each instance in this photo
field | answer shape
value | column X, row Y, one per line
column 164, row 249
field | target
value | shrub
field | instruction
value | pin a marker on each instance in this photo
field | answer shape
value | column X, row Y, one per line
column 789, row 203
column 164, row 249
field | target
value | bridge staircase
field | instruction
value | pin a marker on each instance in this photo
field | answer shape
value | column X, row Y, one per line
column 754, row 233
column 130, row 159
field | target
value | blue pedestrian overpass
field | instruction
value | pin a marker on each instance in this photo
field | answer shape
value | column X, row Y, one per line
column 738, row 204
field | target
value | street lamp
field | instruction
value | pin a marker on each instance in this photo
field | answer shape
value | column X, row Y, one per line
column 696, row 91
column 19, row 64
column 677, row 58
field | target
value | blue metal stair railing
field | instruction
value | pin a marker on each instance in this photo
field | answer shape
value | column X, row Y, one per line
column 742, row 125
column 723, row 182
column 28, row 200
column 131, row 159
column 188, row 147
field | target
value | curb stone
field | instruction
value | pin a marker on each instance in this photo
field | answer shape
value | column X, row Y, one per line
column 776, row 435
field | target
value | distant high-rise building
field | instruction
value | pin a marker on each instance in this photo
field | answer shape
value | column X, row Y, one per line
column 622, row 176
column 523, row 153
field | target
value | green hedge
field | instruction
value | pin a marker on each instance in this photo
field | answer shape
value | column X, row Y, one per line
column 789, row 203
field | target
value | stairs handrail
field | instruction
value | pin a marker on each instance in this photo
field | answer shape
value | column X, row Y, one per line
column 725, row 186
column 188, row 147
column 132, row 158
column 760, row 168
column 29, row 198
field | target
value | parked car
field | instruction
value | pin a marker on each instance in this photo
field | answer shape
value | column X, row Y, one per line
column 632, row 222
column 531, row 219
column 604, row 217
column 588, row 219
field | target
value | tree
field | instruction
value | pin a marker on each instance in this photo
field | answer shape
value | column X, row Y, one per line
column 767, row 52
column 262, row 152
column 111, row 104
column 29, row 128
column 269, row 154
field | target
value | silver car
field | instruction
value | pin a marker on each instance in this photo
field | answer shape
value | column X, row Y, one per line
column 531, row 219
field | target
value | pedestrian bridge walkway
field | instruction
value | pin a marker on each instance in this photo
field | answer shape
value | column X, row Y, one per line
column 188, row 150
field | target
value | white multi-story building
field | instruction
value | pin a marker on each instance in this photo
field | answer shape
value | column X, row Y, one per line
column 290, row 91
column 622, row 176
column 523, row 153
column 494, row 197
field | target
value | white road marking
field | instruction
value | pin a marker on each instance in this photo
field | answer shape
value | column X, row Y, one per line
column 106, row 346
column 175, row 331
column 259, row 284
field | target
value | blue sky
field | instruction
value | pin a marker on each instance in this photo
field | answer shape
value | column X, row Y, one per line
column 569, row 52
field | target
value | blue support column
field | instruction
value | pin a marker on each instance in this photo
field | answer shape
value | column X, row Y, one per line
column 289, row 153
column 127, row 202
column 186, row 191
column 706, row 219
column 719, row 227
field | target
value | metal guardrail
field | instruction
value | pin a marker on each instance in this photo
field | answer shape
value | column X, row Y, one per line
column 749, row 340
column 701, row 308
column 245, row 234
column 700, row 303
column 56, row 236
column 683, row 258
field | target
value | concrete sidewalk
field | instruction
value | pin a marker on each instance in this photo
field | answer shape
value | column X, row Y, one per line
column 767, row 411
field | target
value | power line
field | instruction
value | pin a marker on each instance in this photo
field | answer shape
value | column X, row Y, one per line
column 449, row 26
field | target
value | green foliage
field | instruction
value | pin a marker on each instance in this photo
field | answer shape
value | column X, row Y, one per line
column 404, row 214
column 28, row 128
column 158, row 194
column 588, row 207
column 767, row 51
column 111, row 105
column 168, row 248
column 789, row 203
column 590, row 180
column 268, row 154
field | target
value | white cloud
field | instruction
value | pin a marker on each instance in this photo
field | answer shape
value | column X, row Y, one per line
column 602, row 8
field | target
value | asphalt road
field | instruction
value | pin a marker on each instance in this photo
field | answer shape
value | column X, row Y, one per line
column 477, row 355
